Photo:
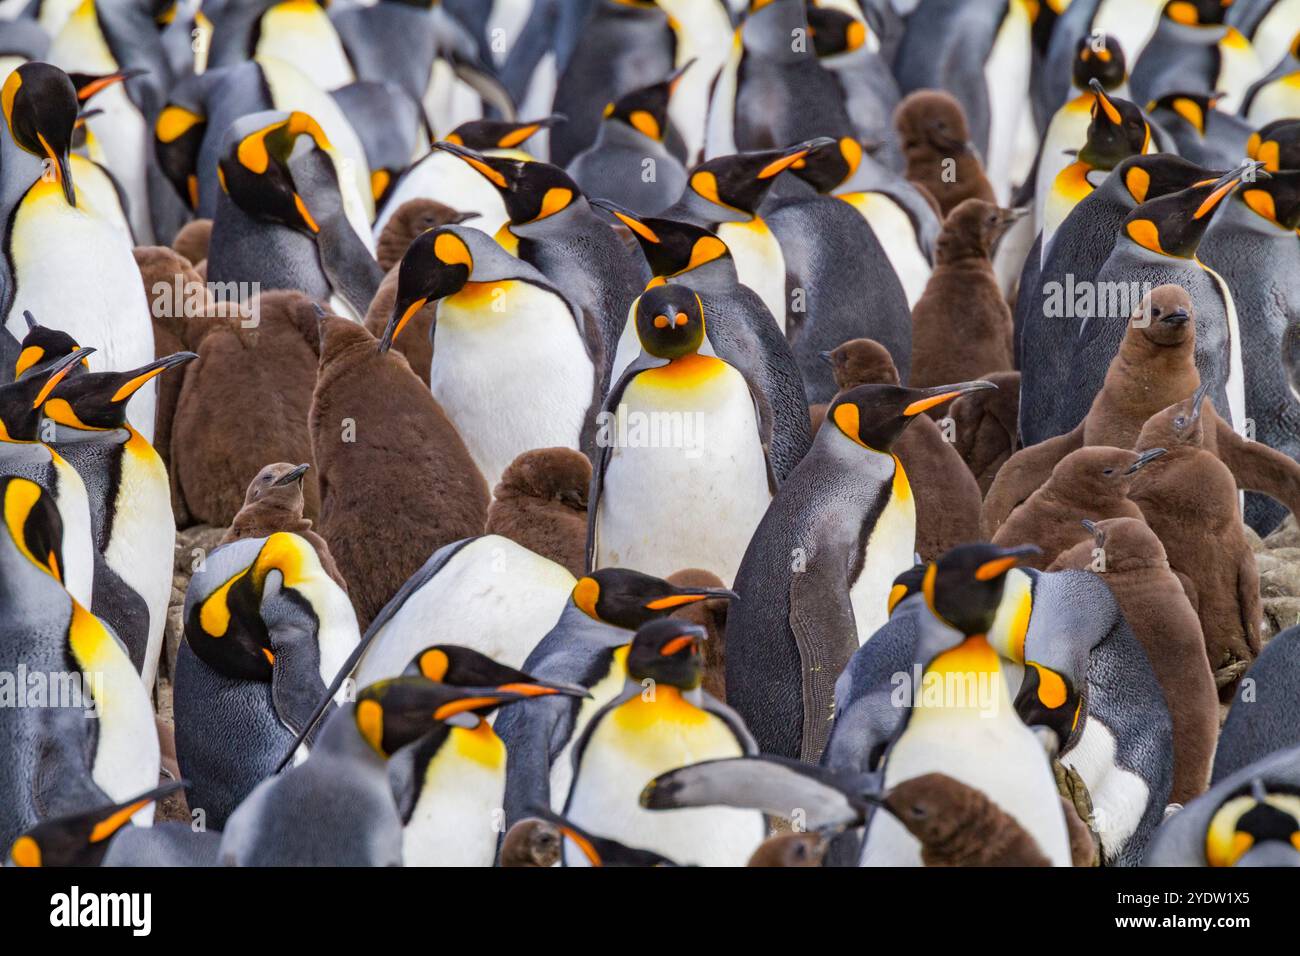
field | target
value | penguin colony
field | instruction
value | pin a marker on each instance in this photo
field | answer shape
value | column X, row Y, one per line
column 648, row 432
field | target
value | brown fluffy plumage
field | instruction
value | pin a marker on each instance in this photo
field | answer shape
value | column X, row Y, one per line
column 532, row 843
column 1154, row 602
column 790, row 849
column 541, row 503
column 947, row 496
column 397, row 482
column 932, row 128
column 245, row 402
column 193, row 239
column 986, row 426
column 712, row 616
column 961, row 325
column 271, row 507
column 409, row 220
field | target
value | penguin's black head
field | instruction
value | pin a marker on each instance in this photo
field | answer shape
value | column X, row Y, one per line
column 98, row 400
column 533, row 191
column 1117, row 131
column 1159, row 174
column 466, row 667
column 1197, row 13
column 628, row 599
column 32, row 524
column 670, row 321
column 646, row 109
column 40, row 106
column 964, row 587
column 1277, row 198
column 670, row 247
column 393, row 713
column 43, row 345
column 1194, row 108
column 1174, row 225
column 830, row 165
column 438, row 263
column 1258, row 825
column 1099, row 57
column 480, row 135
column 834, row 31
column 21, row 401
column 177, row 138
column 873, row 416
column 1276, row 145
column 668, row 652
column 740, row 182
column 906, row 584
column 254, row 168
column 81, row 839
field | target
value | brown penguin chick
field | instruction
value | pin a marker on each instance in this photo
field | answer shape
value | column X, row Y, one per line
column 712, row 616
column 947, row 496
column 245, row 402
column 1089, row 483
column 1154, row 368
column 986, row 426
column 1129, row 557
column 532, row 843
column 932, row 129
column 541, row 503
column 961, row 325
column 790, row 849
column 409, row 220
column 415, row 342
column 274, row 502
column 1190, row 501
column 193, row 239
column 959, row 825
column 397, row 482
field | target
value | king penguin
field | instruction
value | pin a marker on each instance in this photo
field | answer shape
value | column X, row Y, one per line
column 266, row 631
column 653, row 491
column 130, row 502
column 1261, row 720
column 63, row 262
column 514, row 364
column 740, row 331
column 821, row 564
column 586, row 648
column 661, row 721
column 971, row 732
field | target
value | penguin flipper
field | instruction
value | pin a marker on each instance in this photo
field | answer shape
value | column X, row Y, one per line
column 778, row 786
column 534, row 732
column 1257, row 467
column 487, row 86
column 608, row 418
column 1022, row 474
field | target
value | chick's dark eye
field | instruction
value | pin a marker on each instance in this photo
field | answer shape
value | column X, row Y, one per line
column 1180, row 421
column 1109, row 471
column 917, row 811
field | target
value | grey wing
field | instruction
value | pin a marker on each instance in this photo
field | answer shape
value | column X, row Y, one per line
column 534, row 733
column 776, row 785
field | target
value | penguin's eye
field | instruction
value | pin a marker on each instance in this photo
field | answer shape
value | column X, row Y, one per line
column 1155, row 311
column 917, row 811
column 1109, row 471
column 1180, row 422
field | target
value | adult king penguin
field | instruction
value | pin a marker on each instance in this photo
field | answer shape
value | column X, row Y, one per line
column 514, row 364
column 821, row 564
column 654, row 493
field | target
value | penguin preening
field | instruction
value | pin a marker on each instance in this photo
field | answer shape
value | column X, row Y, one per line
column 825, row 555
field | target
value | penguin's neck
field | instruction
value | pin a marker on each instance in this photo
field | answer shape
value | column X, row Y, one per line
column 650, row 692
column 716, row 275
column 21, row 169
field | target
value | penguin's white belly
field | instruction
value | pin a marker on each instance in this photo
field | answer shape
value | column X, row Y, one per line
column 759, row 262
column 1131, row 22
column 445, row 179
column 703, row 32
column 124, row 137
column 504, row 24
column 54, row 14
column 1068, row 130
column 720, row 128
column 1275, row 32
column 300, row 33
column 101, row 198
column 1278, row 100
column 602, row 692
column 1239, row 67
column 1119, row 796
column 76, row 273
column 628, row 348
column 126, row 760
column 1236, row 384
column 1006, row 76
column 510, row 380
column 457, row 817
column 686, row 482
column 493, row 595
column 449, row 100
column 625, row 753
column 141, row 549
column 891, row 550
column 991, row 751
column 893, row 228
column 537, row 102
column 78, row 537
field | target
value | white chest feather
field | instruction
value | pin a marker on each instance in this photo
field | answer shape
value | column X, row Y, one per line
column 602, row 692
column 1131, row 22
column 759, row 262
column 635, row 743
column 493, row 595
column 456, row 818
column 685, row 455
column 511, row 372
column 890, row 551
column 703, row 30
column 720, row 130
column 1119, row 796
column 446, row 179
column 1236, row 385
column 1006, row 74
column 893, row 228
column 300, row 32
